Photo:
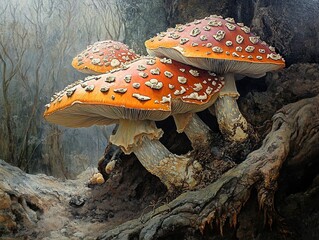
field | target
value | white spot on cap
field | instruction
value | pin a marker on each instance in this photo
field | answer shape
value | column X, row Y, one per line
column 239, row 49
column 136, row 85
column 115, row 62
column 245, row 29
column 154, row 84
column 235, row 54
column 180, row 28
column 209, row 90
column 89, row 88
column 128, row 78
column 195, row 32
column 155, row 71
column 194, row 72
column 166, row 60
column 179, row 92
column 143, row 74
column 220, row 35
column 231, row 20
column 166, row 99
column 104, row 89
column 239, row 39
column 183, row 41
column 168, row 74
column 95, row 50
column 249, row 49
column 110, row 79
column 181, row 79
column 203, row 37
column 120, row 90
column 95, row 61
column 150, row 61
column 230, row 26
column 141, row 67
column 171, row 86
column 274, row 56
column 217, row 49
column 215, row 23
column 174, row 36
column 254, row 39
column 196, row 96
column 141, row 97
column 229, row 43
column 198, row 87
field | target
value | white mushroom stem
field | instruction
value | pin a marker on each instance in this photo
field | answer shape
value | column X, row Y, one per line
column 195, row 129
column 142, row 136
column 172, row 170
column 230, row 120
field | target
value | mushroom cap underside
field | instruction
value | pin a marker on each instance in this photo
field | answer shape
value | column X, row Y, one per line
column 216, row 40
column 103, row 56
column 148, row 88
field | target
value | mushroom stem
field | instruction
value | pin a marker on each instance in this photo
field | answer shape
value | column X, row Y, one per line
column 230, row 120
column 141, row 137
column 173, row 170
column 195, row 129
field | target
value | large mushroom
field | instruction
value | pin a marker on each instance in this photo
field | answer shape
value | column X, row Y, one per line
column 147, row 90
column 98, row 58
column 224, row 47
column 103, row 56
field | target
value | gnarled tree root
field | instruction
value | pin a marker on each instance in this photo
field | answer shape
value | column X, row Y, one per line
column 295, row 128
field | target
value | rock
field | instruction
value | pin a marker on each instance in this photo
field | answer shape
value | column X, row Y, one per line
column 45, row 207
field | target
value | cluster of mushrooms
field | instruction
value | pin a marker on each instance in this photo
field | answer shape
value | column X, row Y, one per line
column 190, row 68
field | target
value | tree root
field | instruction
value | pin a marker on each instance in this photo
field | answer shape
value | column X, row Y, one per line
column 295, row 129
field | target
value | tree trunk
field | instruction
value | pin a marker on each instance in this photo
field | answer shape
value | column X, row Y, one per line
column 294, row 132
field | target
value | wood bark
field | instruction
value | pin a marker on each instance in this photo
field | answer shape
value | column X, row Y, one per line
column 294, row 132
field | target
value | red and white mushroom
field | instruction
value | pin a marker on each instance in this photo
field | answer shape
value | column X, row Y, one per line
column 103, row 56
column 147, row 90
column 224, row 47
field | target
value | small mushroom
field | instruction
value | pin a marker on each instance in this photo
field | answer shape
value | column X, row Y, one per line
column 235, row 51
column 103, row 56
column 136, row 109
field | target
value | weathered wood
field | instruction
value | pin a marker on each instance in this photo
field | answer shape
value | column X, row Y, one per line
column 295, row 129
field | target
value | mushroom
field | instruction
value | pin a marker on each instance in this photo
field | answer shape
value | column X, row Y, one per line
column 147, row 90
column 103, row 56
column 224, row 47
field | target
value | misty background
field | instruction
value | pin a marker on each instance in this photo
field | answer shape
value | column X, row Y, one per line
column 38, row 40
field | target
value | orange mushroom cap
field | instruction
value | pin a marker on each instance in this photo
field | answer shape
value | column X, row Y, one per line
column 147, row 89
column 103, row 56
column 212, row 41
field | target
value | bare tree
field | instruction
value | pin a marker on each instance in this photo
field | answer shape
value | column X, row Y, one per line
column 13, row 46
